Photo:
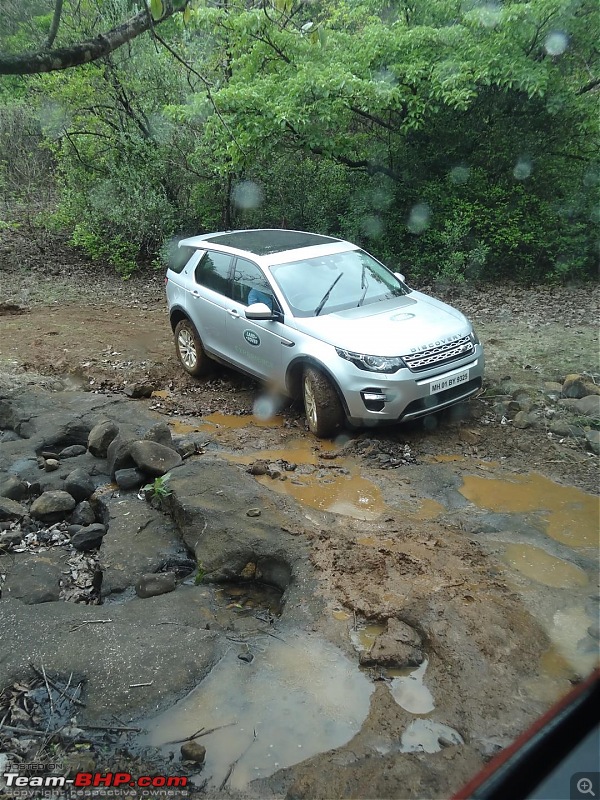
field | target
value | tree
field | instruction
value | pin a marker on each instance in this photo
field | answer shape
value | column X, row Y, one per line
column 76, row 54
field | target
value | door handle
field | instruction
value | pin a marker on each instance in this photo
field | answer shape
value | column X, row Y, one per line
column 233, row 313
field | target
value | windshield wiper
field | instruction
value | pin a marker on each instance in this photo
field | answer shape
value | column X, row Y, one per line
column 319, row 308
column 364, row 284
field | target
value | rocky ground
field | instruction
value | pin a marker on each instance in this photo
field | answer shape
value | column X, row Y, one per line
column 401, row 547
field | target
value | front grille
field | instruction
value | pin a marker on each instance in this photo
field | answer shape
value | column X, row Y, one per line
column 442, row 354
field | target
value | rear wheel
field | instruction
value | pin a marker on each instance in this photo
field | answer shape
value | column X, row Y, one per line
column 324, row 412
column 189, row 349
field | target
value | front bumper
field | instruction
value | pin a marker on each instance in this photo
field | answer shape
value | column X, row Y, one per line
column 371, row 397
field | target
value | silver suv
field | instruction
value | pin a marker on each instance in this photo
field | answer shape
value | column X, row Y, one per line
column 318, row 318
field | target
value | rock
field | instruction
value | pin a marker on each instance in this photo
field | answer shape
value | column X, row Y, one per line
column 139, row 390
column 258, row 468
column 88, row 537
column 589, row 406
column 593, row 441
column 52, row 505
column 561, row 427
column 579, row 386
column 398, row 646
column 253, row 512
column 51, row 464
column 155, row 584
column 154, row 459
column 101, row 436
column 10, row 539
column 118, row 454
column 13, row 488
column 159, row 433
column 10, row 509
column 248, row 658
column 83, row 514
column 33, row 578
column 49, row 454
column 129, row 478
column 72, row 451
column 192, row 751
column 522, row 420
column 79, row 484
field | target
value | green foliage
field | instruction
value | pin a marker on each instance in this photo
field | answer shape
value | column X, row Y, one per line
column 454, row 141
column 158, row 489
column 200, row 573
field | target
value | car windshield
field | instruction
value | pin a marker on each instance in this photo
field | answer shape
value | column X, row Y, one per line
column 330, row 283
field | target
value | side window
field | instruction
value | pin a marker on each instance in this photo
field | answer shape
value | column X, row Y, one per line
column 250, row 284
column 213, row 272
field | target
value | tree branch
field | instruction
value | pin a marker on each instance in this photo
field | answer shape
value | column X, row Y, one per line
column 588, row 86
column 81, row 52
column 55, row 23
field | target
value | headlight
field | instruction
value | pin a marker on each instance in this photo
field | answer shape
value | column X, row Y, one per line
column 474, row 336
column 372, row 363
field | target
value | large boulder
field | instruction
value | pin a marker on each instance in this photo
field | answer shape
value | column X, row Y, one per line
column 578, row 386
column 160, row 433
column 89, row 537
column 118, row 454
column 154, row 459
column 52, row 505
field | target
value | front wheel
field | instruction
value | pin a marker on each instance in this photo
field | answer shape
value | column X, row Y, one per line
column 324, row 412
column 189, row 349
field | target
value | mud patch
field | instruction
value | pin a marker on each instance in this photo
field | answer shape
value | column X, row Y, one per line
column 540, row 566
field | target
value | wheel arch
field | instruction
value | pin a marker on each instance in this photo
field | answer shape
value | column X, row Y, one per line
column 293, row 378
column 177, row 314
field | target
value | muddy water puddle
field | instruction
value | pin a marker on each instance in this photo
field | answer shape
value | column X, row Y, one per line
column 567, row 514
column 296, row 698
column 538, row 565
column 409, row 690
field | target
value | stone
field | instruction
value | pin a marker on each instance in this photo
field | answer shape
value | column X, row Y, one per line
column 101, row 436
column 192, row 751
column 579, row 386
column 51, row 464
column 129, row 478
column 561, row 427
column 118, row 454
column 10, row 539
column 10, row 509
column 154, row 584
column 552, row 389
column 72, row 451
column 52, row 505
column 594, row 630
column 593, row 441
column 83, row 514
column 89, row 537
column 258, row 468
column 522, row 420
column 253, row 512
column 139, row 390
column 79, row 485
column 159, row 433
column 33, row 578
column 154, row 459
column 589, row 406
column 398, row 646
column 13, row 488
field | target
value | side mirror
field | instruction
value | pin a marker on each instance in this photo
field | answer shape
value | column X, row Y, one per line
column 400, row 277
column 259, row 311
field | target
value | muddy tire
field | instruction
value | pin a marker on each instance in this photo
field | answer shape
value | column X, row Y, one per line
column 324, row 412
column 189, row 349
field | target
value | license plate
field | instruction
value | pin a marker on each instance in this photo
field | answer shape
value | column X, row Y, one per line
column 449, row 382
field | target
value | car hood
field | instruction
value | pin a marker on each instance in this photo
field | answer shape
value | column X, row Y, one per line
column 391, row 328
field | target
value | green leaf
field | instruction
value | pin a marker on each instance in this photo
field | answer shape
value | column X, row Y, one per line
column 157, row 9
column 187, row 15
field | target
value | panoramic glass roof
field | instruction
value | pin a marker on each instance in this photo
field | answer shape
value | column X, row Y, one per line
column 265, row 242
